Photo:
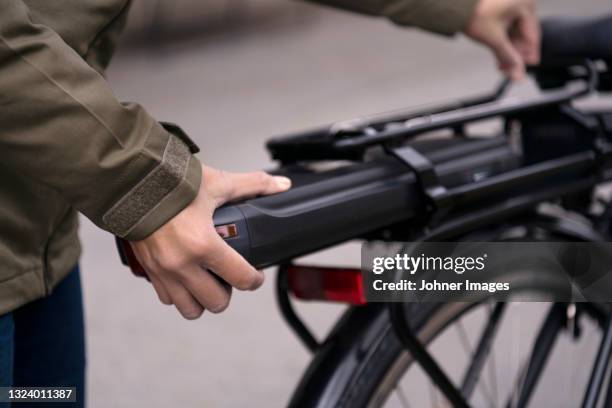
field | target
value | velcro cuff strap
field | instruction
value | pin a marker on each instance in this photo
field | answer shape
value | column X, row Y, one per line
column 150, row 191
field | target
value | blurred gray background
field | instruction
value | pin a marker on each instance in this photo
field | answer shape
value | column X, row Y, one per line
column 232, row 74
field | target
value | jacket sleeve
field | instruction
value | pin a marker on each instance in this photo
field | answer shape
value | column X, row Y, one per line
column 445, row 17
column 61, row 125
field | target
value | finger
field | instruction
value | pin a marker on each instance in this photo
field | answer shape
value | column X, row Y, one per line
column 224, row 261
column 185, row 303
column 206, row 289
column 244, row 185
column 530, row 32
column 160, row 289
column 525, row 37
column 508, row 58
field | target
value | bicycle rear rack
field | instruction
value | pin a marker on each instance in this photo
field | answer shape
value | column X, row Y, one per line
column 349, row 140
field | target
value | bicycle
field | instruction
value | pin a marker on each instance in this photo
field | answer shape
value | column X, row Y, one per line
column 537, row 181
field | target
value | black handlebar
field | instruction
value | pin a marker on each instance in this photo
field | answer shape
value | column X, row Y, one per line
column 569, row 40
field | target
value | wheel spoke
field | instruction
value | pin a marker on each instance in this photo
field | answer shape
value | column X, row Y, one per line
column 608, row 400
column 492, row 368
column 602, row 360
column 483, row 349
column 493, row 377
column 401, row 395
column 469, row 350
column 540, row 352
column 433, row 395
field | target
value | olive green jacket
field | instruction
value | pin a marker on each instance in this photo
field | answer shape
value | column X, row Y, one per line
column 67, row 144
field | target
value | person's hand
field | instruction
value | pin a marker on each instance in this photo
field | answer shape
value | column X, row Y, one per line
column 181, row 256
column 510, row 28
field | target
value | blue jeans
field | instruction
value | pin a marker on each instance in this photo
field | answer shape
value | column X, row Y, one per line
column 42, row 344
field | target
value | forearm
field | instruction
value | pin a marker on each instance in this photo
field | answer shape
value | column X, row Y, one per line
column 61, row 125
column 441, row 16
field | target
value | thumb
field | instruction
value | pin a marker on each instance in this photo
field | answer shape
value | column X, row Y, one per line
column 244, row 185
column 509, row 59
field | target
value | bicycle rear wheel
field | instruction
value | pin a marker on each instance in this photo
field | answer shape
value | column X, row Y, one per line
column 364, row 365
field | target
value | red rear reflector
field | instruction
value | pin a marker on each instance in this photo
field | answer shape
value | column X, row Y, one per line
column 330, row 284
column 129, row 257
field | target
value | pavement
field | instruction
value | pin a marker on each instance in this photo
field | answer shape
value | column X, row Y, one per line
column 231, row 91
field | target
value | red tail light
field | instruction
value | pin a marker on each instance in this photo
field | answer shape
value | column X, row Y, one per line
column 330, row 284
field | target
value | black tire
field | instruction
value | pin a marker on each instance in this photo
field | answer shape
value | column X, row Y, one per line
column 363, row 351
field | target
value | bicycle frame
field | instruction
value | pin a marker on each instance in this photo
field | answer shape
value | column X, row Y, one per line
column 593, row 167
